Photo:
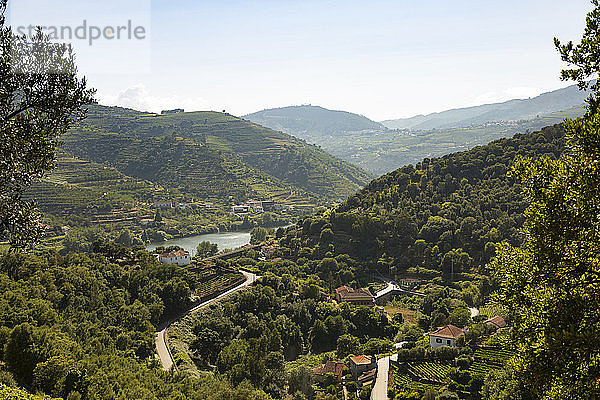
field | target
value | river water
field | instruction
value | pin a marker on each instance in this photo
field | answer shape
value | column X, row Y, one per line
column 225, row 240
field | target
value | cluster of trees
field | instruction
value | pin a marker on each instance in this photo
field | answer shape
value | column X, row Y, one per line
column 252, row 334
column 80, row 326
column 443, row 214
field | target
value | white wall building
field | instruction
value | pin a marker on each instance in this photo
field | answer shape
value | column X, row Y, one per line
column 444, row 336
column 179, row 257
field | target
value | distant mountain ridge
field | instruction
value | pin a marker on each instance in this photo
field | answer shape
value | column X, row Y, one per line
column 384, row 147
column 307, row 120
column 512, row 110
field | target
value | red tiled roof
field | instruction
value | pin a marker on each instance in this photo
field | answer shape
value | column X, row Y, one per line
column 342, row 289
column 448, row 331
column 497, row 320
column 362, row 359
column 347, row 293
column 330, row 367
column 175, row 253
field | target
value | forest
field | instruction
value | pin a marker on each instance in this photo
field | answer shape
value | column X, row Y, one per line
column 442, row 215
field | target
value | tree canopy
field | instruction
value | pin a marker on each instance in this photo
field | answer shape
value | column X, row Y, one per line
column 552, row 283
column 40, row 97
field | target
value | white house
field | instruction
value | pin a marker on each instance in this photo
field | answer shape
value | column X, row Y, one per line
column 179, row 257
column 444, row 336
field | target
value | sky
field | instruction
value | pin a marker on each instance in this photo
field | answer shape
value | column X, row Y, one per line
column 381, row 59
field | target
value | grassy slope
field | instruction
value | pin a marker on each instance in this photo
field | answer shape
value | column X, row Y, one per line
column 211, row 155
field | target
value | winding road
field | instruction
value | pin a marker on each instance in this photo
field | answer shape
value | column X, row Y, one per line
column 162, row 348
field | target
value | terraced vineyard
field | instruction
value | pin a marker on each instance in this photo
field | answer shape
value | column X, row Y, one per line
column 432, row 371
column 212, row 155
column 411, row 377
column 76, row 185
column 495, row 356
column 482, row 368
column 211, row 282
column 403, row 381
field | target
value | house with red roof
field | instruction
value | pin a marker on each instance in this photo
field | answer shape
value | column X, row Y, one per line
column 336, row 368
column 444, row 336
column 362, row 367
column 497, row 322
column 357, row 297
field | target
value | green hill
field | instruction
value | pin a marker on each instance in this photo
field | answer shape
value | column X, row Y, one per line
column 381, row 148
column 211, row 155
column 388, row 150
column 308, row 121
column 441, row 214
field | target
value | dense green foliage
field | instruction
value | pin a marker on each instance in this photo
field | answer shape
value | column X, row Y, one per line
column 551, row 283
column 210, row 155
column 8, row 393
column 83, row 326
column 443, row 214
column 40, row 97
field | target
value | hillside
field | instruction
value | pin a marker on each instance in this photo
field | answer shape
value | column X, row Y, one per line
column 210, row 155
column 444, row 213
column 381, row 148
column 385, row 151
column 308, row 121
column 512, row 110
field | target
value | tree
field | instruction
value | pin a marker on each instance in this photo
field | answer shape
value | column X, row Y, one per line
column 258, row 235
column 301, row 380
column 460, row 317
column 551, row 284
column 21, row 353
column 40, row 98
column 206, row 249
column 346, row 345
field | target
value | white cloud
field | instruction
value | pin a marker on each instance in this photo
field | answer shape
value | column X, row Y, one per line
column 138, row 97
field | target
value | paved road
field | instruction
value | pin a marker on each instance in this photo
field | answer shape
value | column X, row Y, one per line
column 162, row 348
column 379, row 391
column 394, row 287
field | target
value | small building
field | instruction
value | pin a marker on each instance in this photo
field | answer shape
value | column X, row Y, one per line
column 444, row 336
column 256, row 207
column 357, row 297
column 330, row 367
column 240, row 209
column 359, row 365
column 497, row 322
column 162, row 204
column 367, row 377
column 179, row 257
column 174, row 111
column 268, row 205
column 409, row 283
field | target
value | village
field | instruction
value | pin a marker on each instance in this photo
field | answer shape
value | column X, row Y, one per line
column 418, row 362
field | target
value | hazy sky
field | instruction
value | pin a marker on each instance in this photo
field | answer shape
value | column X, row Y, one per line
column 382, row 59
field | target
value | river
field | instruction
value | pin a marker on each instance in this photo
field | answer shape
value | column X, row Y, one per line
column 225, row 240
